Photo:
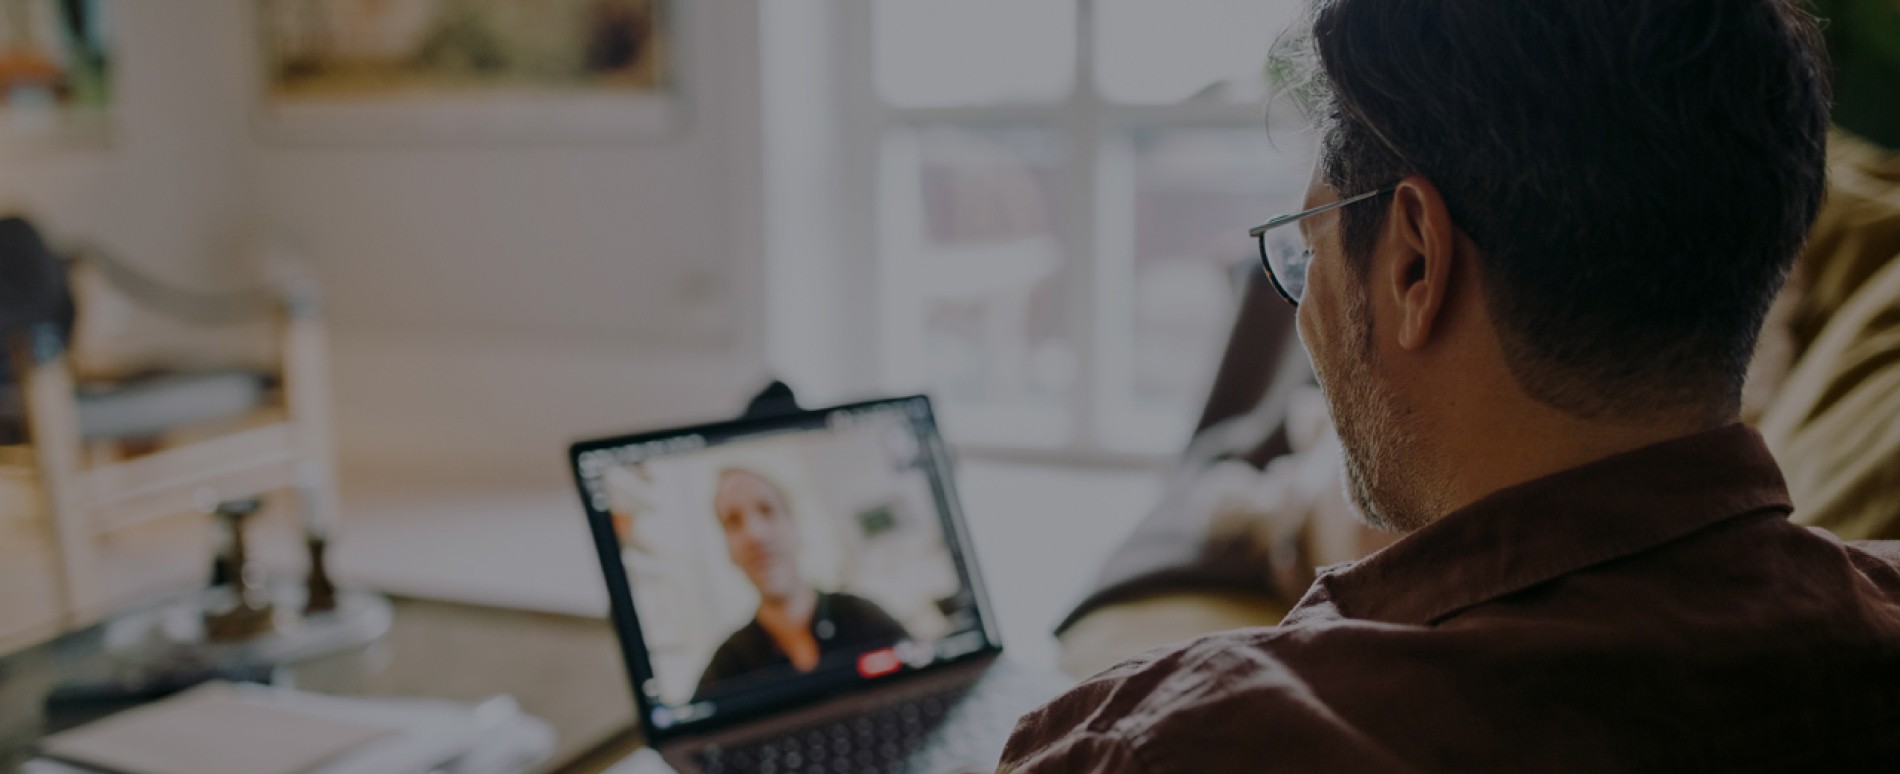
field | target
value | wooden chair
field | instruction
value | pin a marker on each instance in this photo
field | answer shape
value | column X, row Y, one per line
column 104, row 505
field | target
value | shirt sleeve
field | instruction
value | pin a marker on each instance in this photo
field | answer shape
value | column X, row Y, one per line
column 1078, row 731
column 1083, row 753
column 1213, row 705
column 860, row 622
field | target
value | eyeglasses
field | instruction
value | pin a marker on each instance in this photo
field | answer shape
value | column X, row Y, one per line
column 1283, row 251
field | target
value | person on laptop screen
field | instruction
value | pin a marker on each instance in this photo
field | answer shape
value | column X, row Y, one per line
column 795, row 624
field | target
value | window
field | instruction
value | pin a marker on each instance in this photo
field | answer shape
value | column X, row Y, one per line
column 1055, row 198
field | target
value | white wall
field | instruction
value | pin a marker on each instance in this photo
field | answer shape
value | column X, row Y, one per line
column 491, row 302
column 167, row 190
column 487, row 302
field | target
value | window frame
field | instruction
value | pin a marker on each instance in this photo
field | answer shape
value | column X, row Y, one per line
column 1098, row 264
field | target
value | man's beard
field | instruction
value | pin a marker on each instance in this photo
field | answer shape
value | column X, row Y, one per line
column 1376, row 436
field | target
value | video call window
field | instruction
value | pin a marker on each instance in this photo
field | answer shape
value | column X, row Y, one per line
column 770, row 557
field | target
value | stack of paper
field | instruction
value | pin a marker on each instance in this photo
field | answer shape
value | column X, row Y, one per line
column 228, row 729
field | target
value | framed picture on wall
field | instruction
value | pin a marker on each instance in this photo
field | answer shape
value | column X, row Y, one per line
column 55, row 71
column 431, row 71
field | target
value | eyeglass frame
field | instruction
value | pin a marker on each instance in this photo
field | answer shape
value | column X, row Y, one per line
column 1259, row 234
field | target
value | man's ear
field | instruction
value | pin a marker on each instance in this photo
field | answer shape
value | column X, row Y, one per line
column 1419, row 279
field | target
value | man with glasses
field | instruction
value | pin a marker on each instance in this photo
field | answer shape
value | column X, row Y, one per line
column 1539, row 246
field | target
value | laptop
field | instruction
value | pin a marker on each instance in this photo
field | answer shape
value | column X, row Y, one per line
column 797, row 591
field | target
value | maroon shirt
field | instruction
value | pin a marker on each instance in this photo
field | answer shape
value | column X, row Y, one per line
column 1651, row 611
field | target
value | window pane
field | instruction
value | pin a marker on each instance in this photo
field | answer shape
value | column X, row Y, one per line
column 1151, row 52
column 1197, row 191
column 977, row 306
column 974, row 52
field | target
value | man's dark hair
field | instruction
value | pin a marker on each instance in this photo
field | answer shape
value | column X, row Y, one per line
column 1638, row 175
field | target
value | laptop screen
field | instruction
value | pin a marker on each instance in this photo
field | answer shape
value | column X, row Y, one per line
column 756, row 563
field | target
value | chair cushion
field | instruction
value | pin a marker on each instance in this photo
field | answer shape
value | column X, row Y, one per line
column 150, row 405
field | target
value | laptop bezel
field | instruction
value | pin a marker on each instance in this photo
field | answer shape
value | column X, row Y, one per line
column 626, row 620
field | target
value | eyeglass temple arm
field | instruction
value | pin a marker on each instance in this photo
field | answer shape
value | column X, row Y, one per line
column 1285, row 219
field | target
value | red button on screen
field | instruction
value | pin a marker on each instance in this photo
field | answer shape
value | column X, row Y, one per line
column 879, row 663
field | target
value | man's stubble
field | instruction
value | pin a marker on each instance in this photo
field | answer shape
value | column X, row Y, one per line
column 1377, row 436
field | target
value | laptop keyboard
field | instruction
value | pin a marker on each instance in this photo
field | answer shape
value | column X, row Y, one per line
column 962, row 731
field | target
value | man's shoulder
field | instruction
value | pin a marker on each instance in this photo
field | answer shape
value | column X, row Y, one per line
column 1201, row 702
column 743, row 642
column 1872, row 566
column 1877, row 561
column 841, row 600
column 742, row 651
column 1877, row 554
column 1163, row 682
column 857, row 619
column 845, row 606
column 1326, row 692
column 1259, row 664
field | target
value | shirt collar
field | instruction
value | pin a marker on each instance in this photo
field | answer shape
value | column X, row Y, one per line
column 1524, row 535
